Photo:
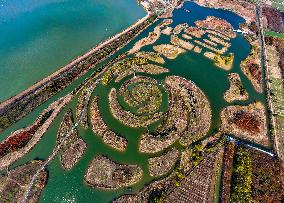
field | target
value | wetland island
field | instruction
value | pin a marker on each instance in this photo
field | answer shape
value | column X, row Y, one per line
column 184, row 105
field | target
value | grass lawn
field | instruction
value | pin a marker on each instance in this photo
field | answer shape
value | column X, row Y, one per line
column 279, row 4
column 274, row 34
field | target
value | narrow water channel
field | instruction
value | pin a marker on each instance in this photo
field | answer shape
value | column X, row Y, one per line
column 69, row 186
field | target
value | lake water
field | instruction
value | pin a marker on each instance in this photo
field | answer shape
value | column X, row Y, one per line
column 69, row 186
column 38, row 37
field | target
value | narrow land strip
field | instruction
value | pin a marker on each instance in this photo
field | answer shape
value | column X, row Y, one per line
column 23, row 103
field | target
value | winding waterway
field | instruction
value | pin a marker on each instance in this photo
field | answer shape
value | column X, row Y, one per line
column 69, row 186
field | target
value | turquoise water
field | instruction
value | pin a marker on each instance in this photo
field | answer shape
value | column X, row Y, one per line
column 38, row 37
column 69, row 186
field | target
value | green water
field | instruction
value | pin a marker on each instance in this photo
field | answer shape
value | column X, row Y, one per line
column 38, row 37
column 69, row 186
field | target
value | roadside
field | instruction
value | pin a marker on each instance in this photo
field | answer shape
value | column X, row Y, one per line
column 276, row 117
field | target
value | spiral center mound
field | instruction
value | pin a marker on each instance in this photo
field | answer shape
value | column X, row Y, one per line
column 142, row 94
column 182, row 109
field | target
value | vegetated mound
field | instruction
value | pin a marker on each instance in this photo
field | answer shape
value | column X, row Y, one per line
column 14, row 185
column 105, row 173
column 187, row 119
column 256, row 177
column 267, row 178
column 101, row 129
column 72, row 146
column 275, row 19
column 251, row 66
column 217, row 24
column 247, row 122
column 236, row 91
column 279, row 44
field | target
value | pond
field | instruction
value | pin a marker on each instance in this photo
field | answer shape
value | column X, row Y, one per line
column 69, row 186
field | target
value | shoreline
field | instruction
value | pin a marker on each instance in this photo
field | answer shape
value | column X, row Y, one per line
column 13, row 156
column 73, row 62
column 237, row 10
column 111, row 175
column 87, row 61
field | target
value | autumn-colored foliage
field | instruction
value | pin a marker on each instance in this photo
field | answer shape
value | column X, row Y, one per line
column 227, row 171
column 21, row 138
column 247, row 122
column 267, row 178
column 17, row 141
column 242, row 176
column 255, row 71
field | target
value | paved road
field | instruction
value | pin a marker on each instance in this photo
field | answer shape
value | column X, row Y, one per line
column 267, row 87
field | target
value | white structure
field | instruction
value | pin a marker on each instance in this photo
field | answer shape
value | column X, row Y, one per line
column 241, row 31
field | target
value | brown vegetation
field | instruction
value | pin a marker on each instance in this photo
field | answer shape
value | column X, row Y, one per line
column 274, row 18
column 267, row 178
column 199, row 184
column 278, row 43
column 190, row 180
column 14, row 184
column 247, row 122
column 255, row 71
column 227, row 171
column 74, row 147
column 127, row 117
column 251, row 66
column 20, row 139
column 188, row 117
column 217, row 24
column 257, row 176
column 101, row 129
column 195, row 31
column 23, row 140
column 105, row 173
column 244, row 8
column 168, row 50
column 163, row 164
column 236, row 90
